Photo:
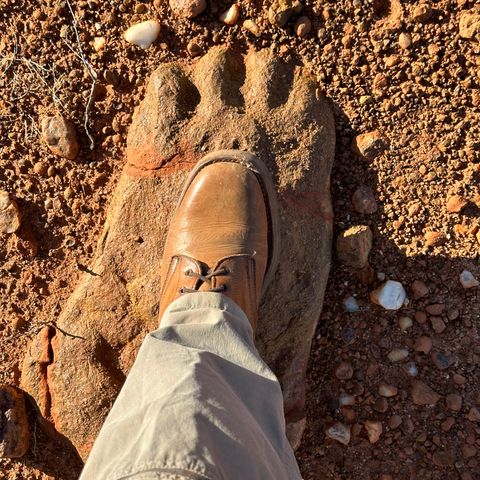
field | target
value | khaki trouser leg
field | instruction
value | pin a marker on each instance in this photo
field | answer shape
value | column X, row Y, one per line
column 199, row 403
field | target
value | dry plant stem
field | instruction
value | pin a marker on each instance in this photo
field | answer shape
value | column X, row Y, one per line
column 91, row 73
column 27, row 83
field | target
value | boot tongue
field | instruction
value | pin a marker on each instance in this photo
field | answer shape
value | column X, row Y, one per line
column 205, row 287
column 240, row 283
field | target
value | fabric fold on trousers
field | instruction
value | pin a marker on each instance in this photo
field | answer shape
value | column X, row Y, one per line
column 199, row 403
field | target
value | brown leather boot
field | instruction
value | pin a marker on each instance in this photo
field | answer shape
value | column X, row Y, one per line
column 224, row 234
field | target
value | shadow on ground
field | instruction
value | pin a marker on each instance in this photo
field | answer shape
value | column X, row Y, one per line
column 430, row 442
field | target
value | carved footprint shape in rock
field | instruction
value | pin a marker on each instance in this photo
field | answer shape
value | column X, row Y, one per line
column 252, row 102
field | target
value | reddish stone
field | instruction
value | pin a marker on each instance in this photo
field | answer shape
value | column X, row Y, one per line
column 423, row 344
column 344, row 371
column 419, row 289
column 456, row 204
column 435, row 309
column 454, row 402
column 422, row 394
column 369, row 145
column 420, row 317
column 438, row 324
column 443, row 458
column 435, row 239
column 363, row 200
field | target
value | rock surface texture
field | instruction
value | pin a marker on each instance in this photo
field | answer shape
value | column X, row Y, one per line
column 223, row 101
column 470, row 24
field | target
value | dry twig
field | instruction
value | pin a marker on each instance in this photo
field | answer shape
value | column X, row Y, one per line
column 91, row 72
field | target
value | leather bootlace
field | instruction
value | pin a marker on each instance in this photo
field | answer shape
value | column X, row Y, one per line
column 205, row 278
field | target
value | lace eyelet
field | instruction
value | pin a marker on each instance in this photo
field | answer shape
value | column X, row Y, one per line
column 182, row 290
column 188, row 272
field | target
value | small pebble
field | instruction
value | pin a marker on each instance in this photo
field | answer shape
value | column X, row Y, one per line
column 435, row 239
column 348, row 414
column 392, row 61
column 339, row 432
column 99, row 43
column 346, row 399
column 231, row 16
column 453, row 314
column 369, row 145
column 344, row 371
column 188, row 8
column 302, row 27
column 459, row 379
column 405, row 323
column 453, row 401
column 381, row 405
column 411, row 369
column 374, row 430
column 111, row 77
column 420, row 317
column 391, row 295
column 440, row 360
column 387, row 391
column 252, row 27
column 385, row 476
column 438, row 324
column 69, row 193
column 193, row 48
column 365, row 100
column 354, row 245
column 447, row 424
column 422, row 12
column 423, row 344
column 422, row 394
column 395, row 421
column 143, row 34
column 405, row 40
column 348, row 334
column 435, row 308
column 443, row 458
column 60, row 136
column 474, row 415
column 468, row 451
column 398, row 354
column 468, row 280
column 40, row 168
column 280, row 11
column 456, row 203
column 363, row 200
column 140, row 8
column 10, row 216
column 351, row 305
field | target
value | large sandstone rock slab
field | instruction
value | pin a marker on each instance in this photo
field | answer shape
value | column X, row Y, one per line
column 226, row 100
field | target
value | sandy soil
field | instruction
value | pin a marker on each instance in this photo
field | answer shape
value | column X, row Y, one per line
column 382, row 67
